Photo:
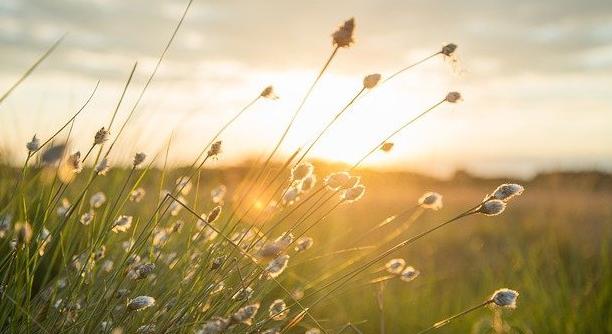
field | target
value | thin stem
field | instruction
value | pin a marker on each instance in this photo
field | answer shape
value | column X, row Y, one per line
column 449, row 319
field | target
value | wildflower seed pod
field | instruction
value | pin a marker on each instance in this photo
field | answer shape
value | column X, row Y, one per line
column 213, row 215
column 343, row 37
column 492, row 207
column 101, row 136
column 139, row 158
column 44, row 238
column 308, row 183
column 453, row 97
column 336, row 181
column 268, row 93
column 140, row 303
column 301, row 171
column 276, row 267
column 102, row 167
column 216, row 325
column 142, row 271
column 506, row 191
column 33, row 145
column 215, row 149
column 137, row 195
column 409, row 274
column 245, row 314
column 5, row 225
column 353, row 194
column 395, row 266
column 183, row 184
column 387, row 147
column 74, row 161
column 278, row 310
column 505, row 298
column 371, row 80
column 122, row 224
column 23, row 233
column 303, row 244
column 87, row 218
column 291, row 195
column 97, row 200
column 243, row 294
column 448, row 49
column 431, row 200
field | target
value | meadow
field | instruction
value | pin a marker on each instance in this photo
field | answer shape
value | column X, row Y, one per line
column 290, row 244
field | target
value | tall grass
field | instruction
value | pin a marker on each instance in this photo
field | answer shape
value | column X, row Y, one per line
column 144, row 250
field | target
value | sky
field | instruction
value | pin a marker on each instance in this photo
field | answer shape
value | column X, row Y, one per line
column 536, row 79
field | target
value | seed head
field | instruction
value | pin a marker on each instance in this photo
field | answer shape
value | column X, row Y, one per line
column 137, row 195
column 276, row 266
column 492, row 207
column 291, row 195
column 122, row 224
column 215, row 149
column 101, row 136
column 141, row 271
column 140, row 303
column 387, row 147
column 453, row 97
column 102, row 167
column 448, row 49
column 23, row 231
column 243, row 294
column 87, row 218
column 74, row 161
column 5, row 225
column 44, row 238
column 268, row 93
column 33, row 144
column 338, row 180
column 409, row 274
column 353, row 194
column 431, row 200
column 184, row 184
column 301, row 171
column 507, row 191
column 278, row 310
column 245, row 314
column 218, row 193
column 303, row 244
column 371, row 80
column 308, row 183
column 97, row 200
column 505, row 298
column 216, row 325
column 343, row 37
column 139, row 158
column 214, row 214
column 395, row 266
column 64, row 208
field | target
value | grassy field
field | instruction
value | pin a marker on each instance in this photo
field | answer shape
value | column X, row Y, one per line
column 551, row 244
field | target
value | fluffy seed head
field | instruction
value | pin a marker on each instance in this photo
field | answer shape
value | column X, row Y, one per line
column 431, row 200
column 453, row 97
column 268, row 93
column 395, row 266
column 101, row 136
column 276, row 266
column 216, row 325
column 44, row 238
column 5, row 225
column 33, row 144
column 301, row 171
column 243, row 293
column 353, row 194
column 505, row 298
column 74, row 161
column 137, row 195
column 409, row 273
column 291, row 195
column 343, row 37
column 371, row 80
column 142, row 271
column 278, row 310
column 122, row 224
column 308, row 183
column 87, row 217
column 23, row 233
column 214, row 214
column 97, row 200
column 337, row 180
column 215, row 149
column 492, row 207
column 303, row 244
column 387, row 147
column 245, row 314
column 139, row 158
column 448, row 49
column 140, row 303
column 183, row 184
column 507, row 191
column 102, row 167
column 218, row 193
